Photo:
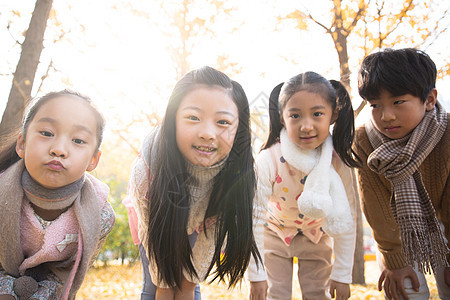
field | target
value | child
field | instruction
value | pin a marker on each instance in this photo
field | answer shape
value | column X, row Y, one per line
column 404, row 180
column 305, row 182
column 193, row 187
column 54, row 216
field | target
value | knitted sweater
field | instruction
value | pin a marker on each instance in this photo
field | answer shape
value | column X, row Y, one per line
column 279, row 186
column 92, row 210
column 199, row 188
column 375, row 191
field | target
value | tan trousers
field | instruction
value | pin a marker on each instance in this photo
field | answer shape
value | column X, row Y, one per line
column 314, row 266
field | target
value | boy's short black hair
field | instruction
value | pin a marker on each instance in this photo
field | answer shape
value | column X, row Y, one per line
column 400, row 72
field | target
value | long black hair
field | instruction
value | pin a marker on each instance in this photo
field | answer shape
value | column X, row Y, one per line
column 231, row 200
column 8, row 154
column 335, row 93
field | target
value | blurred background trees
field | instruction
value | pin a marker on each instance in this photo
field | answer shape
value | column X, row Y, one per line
column 127, row 55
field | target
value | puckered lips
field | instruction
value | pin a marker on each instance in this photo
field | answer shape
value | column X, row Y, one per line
column 55, row 165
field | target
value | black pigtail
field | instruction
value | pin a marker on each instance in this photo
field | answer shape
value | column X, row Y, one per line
column 344, row 127
column 275, row 118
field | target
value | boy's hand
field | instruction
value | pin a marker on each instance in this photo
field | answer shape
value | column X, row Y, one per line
column 340, row 291
column 394, row 282
column 258, row 290
column 447, row 276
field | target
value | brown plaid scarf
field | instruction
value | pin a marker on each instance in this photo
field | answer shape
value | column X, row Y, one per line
column 398, row 161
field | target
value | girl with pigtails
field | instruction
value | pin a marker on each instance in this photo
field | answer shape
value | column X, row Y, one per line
column 305, row 198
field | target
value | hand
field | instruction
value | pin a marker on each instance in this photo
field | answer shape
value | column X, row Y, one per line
column 447, row 276
column 394, row 282
column 339, row 290
column 164, row 294
column 258, row 290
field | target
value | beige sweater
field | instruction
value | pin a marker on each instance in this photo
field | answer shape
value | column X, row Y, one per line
column 199, row 187
column 375, row 191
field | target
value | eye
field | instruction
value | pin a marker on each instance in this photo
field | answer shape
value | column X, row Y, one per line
column 318, row 114
column 399, row 102
column 224, row 122
column 79, row 141
column 294, row 116
column 372, row 105
column 46, row 133
column 192, row 118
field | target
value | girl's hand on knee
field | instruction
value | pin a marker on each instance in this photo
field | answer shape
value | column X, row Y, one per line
column 164, row 294
column 339, row 290
column 258, row 290
column 187, row 290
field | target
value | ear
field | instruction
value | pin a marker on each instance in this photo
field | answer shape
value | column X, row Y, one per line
column 94, row 161
column 20, row 146
column 431, row 100
column 334, row 116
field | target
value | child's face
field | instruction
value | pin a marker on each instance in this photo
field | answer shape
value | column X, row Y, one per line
column 396, row 117
column 206, row 124
column 307, row 118
column 60, row 143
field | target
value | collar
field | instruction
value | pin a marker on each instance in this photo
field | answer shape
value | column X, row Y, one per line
column 42, row 197
column 301, row 159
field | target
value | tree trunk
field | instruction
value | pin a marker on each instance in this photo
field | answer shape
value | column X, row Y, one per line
column 339, row 36
column 22, row 84
column 358, row 265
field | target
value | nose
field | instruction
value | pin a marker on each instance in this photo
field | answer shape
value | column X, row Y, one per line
column 207, row 132
column 59, row 148
column 306, row 125
column 387, row 115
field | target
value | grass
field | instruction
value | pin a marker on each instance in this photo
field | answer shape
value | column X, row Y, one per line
column 124, row 282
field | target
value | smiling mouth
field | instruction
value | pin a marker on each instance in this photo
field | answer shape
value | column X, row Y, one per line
column 204, row 148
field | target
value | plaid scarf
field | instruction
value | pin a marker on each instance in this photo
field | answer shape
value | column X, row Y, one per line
column 398, row 160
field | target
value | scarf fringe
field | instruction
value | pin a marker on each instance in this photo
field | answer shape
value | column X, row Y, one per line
column 423, row 247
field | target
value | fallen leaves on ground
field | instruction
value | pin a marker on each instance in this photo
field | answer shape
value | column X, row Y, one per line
column 124, row 282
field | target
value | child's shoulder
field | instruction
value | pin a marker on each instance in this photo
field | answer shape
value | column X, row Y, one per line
column 101, row 189
column 361, row 138
column 444, row 143
column 268, row 153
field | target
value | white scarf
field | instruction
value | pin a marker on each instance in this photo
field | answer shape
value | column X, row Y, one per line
column 324, row 196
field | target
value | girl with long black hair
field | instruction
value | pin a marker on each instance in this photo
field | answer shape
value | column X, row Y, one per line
column 193, row 186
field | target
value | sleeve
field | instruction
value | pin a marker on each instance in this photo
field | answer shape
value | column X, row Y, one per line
column 136, row 199
column 344, row 245
column 375, row 202
column 265, row 173
column 132, row 218
column 107, row 224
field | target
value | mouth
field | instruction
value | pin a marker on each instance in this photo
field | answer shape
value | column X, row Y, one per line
column 55, row 165
column 391, row 128
column 307, row 138
column 205, row 149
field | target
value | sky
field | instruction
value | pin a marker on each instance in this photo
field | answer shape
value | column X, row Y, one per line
column 119, row 55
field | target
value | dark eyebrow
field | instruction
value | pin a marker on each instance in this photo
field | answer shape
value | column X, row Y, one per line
column 314, row 107
column 53, row 121
column 220, row 112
